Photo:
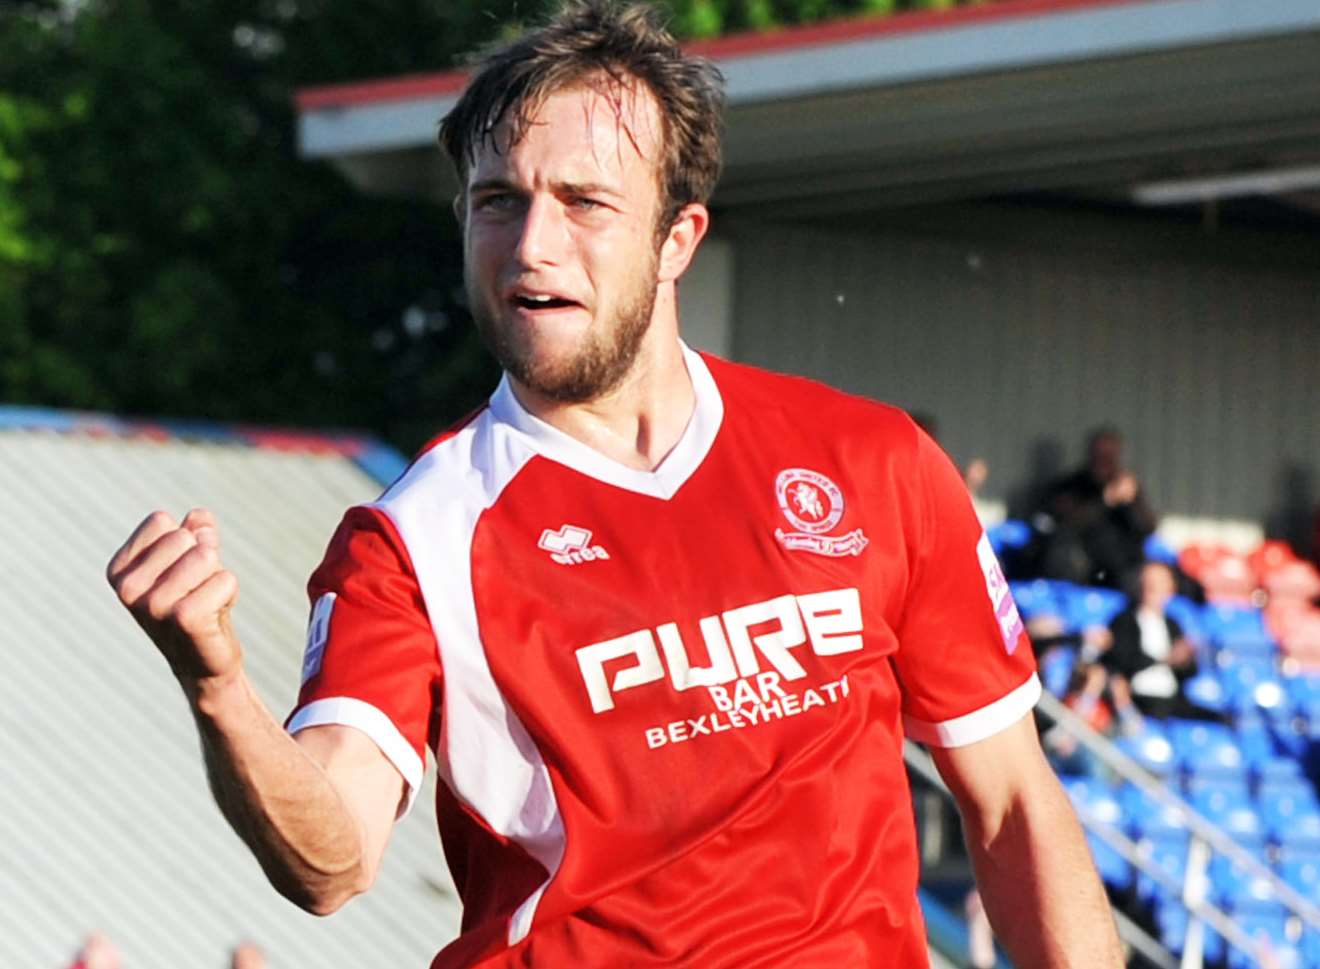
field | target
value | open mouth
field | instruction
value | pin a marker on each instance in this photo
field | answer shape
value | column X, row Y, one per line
column 543, row 302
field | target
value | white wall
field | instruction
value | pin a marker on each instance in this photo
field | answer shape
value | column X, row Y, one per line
column 1020, row 331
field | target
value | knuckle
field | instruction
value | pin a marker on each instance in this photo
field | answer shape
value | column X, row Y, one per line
column 128, row 589
column 205, row 555
column 159, row 607
column 183, row 613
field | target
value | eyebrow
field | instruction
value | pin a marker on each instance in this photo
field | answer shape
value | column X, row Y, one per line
column 560, row 188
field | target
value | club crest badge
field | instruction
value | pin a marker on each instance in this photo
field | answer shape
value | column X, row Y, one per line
column 813, row 505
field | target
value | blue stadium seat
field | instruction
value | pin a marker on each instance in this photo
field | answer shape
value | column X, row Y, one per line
column 1056, row 668
column 1304, row 689
column 1149, row 819
column 1035, row 597
column 1093, row 607
column 1188, row 615
column 1253, row 684
column 1248, row 648
column 1169, row 854
column 1297, row 789
column 1282, row 737
column 1157, row 549
column 1270, row 748
column 1205, row 745
column 1302, row 829
column 1094, row 800
column 1172, row 921
column 1301, row 872
column 1311, row 947
column 1219, row 757
column 1150, row 748
column 1265, row 929
column 1113, row 868
column 1008, row 535
column 1227, row 623
column 1278, row 769
column 1186, row 734
column 1206, row 690
column 1232, row 810
column 1245, row 825
column 1310, row 711
column 1236, row 888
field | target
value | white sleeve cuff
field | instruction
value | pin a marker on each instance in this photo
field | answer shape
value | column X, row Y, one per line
column 349, row 712
column 979, row 724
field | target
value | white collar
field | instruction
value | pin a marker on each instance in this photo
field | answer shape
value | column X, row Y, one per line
column 668, row 476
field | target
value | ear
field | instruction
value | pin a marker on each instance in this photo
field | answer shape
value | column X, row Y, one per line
column 460, row 208
column 681, row 242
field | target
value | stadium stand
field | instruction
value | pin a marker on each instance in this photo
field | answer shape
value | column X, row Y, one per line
column 105, row 816
column 1246, row 788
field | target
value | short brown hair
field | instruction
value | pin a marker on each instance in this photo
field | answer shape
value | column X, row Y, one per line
column 599, row 39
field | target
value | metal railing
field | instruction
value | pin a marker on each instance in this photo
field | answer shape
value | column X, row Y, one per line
column 1205, row 838
column 1130, row 932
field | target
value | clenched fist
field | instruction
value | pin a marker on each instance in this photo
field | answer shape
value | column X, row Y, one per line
column 169, row 576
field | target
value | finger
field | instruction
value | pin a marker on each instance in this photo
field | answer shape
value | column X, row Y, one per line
column 201, row 612
column 151, row 528
column 188, row 572
column 201, row 522
column 135, row 581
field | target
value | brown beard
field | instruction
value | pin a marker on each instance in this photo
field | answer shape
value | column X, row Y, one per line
column 600, row 364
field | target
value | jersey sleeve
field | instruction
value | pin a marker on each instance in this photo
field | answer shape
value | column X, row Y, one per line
column 964, row 661
column 371, row 660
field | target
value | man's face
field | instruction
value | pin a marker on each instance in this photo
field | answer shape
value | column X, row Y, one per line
column 1106, row 457
column 560, row 241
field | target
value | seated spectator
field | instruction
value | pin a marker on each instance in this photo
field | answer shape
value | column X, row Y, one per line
column 1093, row 524
column 1085, row 697
column 1150, row 659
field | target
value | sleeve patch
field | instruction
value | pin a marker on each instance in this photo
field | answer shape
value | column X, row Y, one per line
column 318, row 633
column 1001, row 599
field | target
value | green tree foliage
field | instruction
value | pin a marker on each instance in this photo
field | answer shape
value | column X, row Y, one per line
column 163, row 250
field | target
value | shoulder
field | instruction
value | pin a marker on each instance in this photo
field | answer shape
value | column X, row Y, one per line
column 455, row 477
column 784, row 399
column 1127, row 619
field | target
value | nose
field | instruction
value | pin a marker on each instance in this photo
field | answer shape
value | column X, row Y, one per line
column 544, row 233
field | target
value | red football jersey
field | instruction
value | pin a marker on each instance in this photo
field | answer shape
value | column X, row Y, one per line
column 667, row 707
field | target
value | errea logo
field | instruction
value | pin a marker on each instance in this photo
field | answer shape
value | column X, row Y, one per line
column 571, row 545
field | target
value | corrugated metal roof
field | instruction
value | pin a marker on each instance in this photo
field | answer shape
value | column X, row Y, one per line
column 106, row 820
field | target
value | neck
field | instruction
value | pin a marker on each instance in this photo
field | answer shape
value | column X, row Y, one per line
column 640, row 421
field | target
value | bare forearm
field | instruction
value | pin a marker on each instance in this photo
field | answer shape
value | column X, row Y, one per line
column 1040, row 888
column 278, row 799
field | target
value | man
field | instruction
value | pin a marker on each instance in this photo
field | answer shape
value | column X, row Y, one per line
column 1096, row 519
column 661, row 619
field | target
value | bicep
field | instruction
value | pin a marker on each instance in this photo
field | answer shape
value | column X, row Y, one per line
column 989, row 777
column 368, row 783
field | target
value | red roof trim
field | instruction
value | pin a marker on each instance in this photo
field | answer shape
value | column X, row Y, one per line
column 749, row 44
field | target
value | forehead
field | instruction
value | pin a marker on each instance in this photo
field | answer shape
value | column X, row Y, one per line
column 590, row 131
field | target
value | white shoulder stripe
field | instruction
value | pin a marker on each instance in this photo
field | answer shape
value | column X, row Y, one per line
column 486, row 756
column 979, row 724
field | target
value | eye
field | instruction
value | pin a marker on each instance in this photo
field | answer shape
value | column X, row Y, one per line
column 496, row 202
column 585, row 203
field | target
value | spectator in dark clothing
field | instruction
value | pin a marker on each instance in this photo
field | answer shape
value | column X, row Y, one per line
column 1093, row 523
column 1150, row 660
